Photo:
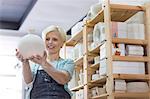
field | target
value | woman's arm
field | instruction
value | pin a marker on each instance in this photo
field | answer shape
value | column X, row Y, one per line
column 61, row 77
column 27, row 74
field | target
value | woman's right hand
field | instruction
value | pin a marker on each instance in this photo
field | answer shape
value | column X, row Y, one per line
column 20, row 57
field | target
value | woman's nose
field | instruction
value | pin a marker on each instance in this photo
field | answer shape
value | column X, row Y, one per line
column 50, row 41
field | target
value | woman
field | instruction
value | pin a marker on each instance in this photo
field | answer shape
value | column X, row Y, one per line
column 48, row 77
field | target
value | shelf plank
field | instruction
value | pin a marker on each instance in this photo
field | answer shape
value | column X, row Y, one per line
column 132, row 76
column 79, row 61
column 131, row 58
column 97, row 82
column 72, row 41
column 77, row 88
column 132, row 94
column 98, row 18
column 95, row 66
column 130, row 41
column 99, row 96
column 100, row 80
column 96, row 50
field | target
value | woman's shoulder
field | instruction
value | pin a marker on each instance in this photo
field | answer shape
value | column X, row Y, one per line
column 66, row 60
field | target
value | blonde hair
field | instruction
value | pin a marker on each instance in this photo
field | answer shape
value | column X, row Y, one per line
column 54, row 28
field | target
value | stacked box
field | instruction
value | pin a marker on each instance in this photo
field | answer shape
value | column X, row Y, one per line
column 134, row 50
column 119, row 30
column 136, row 31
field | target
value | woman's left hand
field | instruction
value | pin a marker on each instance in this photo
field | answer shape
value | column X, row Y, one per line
column 39, row 59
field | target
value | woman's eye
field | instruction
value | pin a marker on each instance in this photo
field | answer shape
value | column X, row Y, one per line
column 55, row 39
column 47, row 39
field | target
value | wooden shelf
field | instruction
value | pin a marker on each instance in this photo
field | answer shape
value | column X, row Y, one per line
column 98, row 18
column 77, row 88
column 118, row 13
column 132, row 95
column 95, row 66
column 96, row 50
column 130, row 41
column 123, row 12
column 76, row 38
column 99, row 81
column 73, row 41
column 132, row 76
column 79, row 61
column 131, row 58
column 100, row 96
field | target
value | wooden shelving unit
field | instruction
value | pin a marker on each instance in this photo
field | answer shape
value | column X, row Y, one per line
column 119, row 13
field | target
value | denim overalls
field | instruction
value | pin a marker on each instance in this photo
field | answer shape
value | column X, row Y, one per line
column 45, row 87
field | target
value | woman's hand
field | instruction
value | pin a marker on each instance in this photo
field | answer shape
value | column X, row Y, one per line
column 20, row 57
column 39, row 59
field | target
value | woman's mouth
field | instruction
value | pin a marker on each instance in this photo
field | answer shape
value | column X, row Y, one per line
column 50, row 47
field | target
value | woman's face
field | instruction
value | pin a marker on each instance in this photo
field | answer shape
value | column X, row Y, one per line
column 53, row 42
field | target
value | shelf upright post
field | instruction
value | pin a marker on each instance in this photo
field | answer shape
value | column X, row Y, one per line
column 85, row 62
column 147, row 23
column 109, row 69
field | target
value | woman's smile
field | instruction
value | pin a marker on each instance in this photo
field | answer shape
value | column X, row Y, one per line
column 50, row 46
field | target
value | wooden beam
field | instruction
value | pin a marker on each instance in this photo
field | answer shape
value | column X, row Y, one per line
column 85, row 62
column 130, row 41
column 147, row 33
column 131, row 58
column 107, row 21
column 132, row 76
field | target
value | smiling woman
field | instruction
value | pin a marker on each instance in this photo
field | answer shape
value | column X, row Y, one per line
column 47, row 76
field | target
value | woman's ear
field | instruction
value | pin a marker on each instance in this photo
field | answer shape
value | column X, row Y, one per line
column 62, row 45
